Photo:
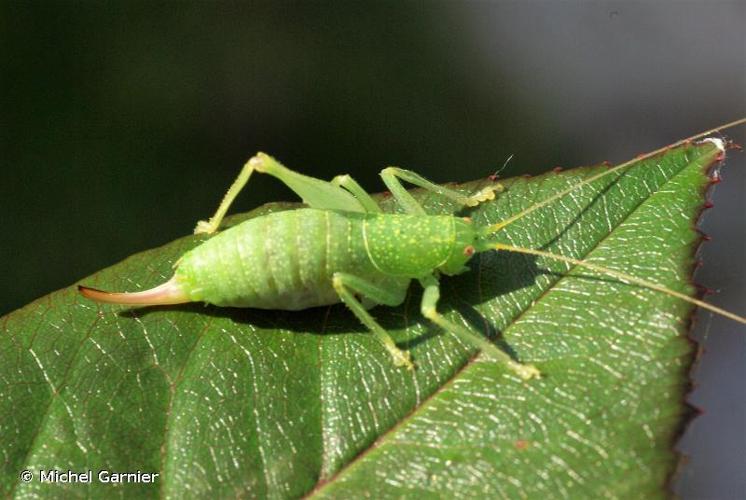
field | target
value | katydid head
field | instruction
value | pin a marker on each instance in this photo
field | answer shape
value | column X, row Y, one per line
column 464, row 246
column 469, row 239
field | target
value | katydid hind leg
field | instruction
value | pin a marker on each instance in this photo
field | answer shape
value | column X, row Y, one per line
column 430, row 299
column 316, row 193
column 348, row 285
column 213, row 223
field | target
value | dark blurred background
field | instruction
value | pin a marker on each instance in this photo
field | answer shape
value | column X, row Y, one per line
column 123, row 124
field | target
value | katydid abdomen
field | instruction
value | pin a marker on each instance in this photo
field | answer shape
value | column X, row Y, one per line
column 283, row 260
column 286, row 260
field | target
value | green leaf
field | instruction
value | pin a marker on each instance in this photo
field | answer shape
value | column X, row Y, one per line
column 228, row 402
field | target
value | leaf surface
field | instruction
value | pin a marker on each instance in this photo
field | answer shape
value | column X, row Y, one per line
column 230, row 402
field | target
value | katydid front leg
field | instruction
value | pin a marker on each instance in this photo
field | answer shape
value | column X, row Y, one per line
column 391, row 176
column 429, row 310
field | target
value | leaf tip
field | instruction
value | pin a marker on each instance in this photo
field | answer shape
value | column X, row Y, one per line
column 717, row 142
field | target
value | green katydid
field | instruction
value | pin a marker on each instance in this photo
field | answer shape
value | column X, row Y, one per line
column 344, row 248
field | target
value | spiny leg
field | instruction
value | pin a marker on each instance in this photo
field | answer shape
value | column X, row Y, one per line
column 358, row 192
column 314, row 192
column 429, row 310
column 211, row 225
column 391, row 176
column 345, row 284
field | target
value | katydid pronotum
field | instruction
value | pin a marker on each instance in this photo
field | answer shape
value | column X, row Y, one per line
column 344, row 248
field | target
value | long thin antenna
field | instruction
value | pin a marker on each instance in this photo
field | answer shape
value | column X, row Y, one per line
column 499, row 170
column 497, row 227
column 621, row 276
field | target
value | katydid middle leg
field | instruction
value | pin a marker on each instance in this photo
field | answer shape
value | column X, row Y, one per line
column 362, row 196
column 347, row 284
column 429, row 310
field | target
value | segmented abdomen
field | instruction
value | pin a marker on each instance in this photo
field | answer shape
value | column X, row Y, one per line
column 282, row 261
